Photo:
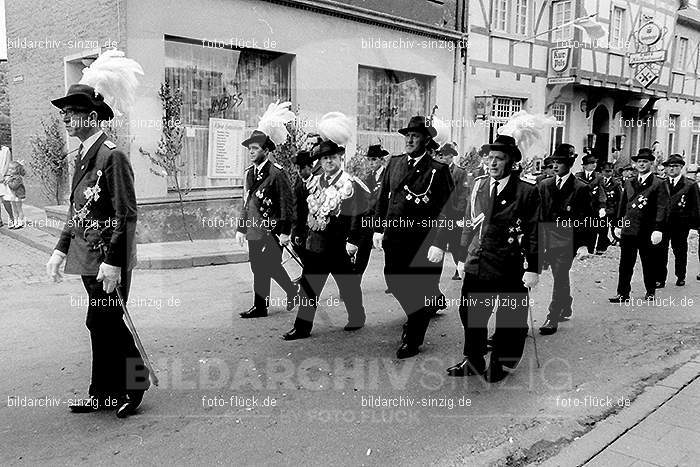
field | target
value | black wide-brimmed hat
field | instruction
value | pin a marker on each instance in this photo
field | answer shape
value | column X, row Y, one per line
column 644, row 153
column 261, row 138
column 607, row 166
column 589, row 159
column 82, row 95
column 565, row 152
column 302, row 159
column 418, row 124
column 505, row 144
column 674, row 159
column 375, row 151
column 327, row 148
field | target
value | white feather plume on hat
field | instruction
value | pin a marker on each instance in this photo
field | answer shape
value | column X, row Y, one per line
column 114, row 77
column 337, row 127
column 528, row 131
column 273, row 121
column 442, row 128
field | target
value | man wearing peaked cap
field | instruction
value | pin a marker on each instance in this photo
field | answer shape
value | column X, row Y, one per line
column 98, row 241
column 409, row 225
column 641, row 218
column 684, row 214
column 565, row 211
column 594, row 180
column 375, row 157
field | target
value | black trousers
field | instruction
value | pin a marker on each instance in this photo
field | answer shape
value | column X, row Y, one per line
column 413, row 280
column 603, row 241
column 266, row 263
column 117, row 366
column 317, row 268
column 479, row 297
column 678, row 239
column 629, row 246
column 560, row 260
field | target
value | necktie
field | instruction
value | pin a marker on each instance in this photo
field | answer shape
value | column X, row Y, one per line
column 494, row 193
column 80, row 152
column 560, row 182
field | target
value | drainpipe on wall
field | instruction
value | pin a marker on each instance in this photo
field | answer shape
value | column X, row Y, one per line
column 459, row 85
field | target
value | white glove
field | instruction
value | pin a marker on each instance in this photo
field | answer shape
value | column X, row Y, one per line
column 350, row 249
column 53, row 267
column 656, row 237
column 601, row 212
column 435, row 254
column 284, row 240
column 460, row 269
column 618, row 232
column 530, row 279
column 110, row 276
column 377, row 239
column 240, row 238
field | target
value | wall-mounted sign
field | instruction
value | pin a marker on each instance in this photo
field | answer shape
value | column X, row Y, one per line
column 561, row 80
column 559, row 58
column 647, row 73
column 648, row 57
column 649, row 33
column 226, row 157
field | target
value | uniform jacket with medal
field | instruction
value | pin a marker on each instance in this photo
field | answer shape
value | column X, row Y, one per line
column 595, row 184
column 461, row 191
column 684, row 204
column 102, row 212
column 563, row 214
column 336, row 208
column 373, row 182
column 643, row 207
column 613, row 191
column 409, row 197
column 496, row 243
column 269, row 202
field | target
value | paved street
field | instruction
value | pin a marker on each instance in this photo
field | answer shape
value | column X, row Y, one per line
column 232, row 391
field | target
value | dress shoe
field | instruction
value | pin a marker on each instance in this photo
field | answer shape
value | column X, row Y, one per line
column 619, row 299
column 456, row 276
column 550, row 326
column 353, row 326
column 466, row 368
column 407, row 351
column 130, row 404
column 660, row 285
column 254, row 313
column 295, row 334
column 680, row 282
column 495, row 372
column 292, row 300
column 565, row 315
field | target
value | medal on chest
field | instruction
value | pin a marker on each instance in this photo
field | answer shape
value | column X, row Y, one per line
column 423, row 197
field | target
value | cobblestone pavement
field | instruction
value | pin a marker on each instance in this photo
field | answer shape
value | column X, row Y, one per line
column 20, row 263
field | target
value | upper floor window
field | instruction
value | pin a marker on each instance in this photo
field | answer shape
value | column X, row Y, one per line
column 682, row 53
column 562, row 14
column 618, row 34
column 511, row 16
column 503, row 108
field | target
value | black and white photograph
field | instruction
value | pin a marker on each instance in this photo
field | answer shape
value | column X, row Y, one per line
column 350, row 232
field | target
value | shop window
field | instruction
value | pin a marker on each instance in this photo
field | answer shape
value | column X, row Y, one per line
column 221, row 82
column 558, row 131
column 562, row 13
column 503, row 108
column 672, row 126
column 510, row 16
column 387, row 99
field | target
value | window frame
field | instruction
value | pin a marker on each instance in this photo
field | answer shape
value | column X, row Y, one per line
column 681, row 53
column 570, row 28
column 613, row 42
column 506, row 16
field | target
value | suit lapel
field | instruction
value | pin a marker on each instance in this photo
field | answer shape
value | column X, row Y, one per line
column 413, row 172
column 256, row 182
column 83, row 166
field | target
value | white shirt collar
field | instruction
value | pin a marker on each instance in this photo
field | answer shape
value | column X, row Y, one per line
column 564, row 178
column 501, row 184
column 415, row 160
column 262, row 164
column 675, row 180
column 588, row 174
column 88, row 143
column 643, row 178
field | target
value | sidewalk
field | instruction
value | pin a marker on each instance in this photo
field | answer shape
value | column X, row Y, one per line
column 42, row 233
column 660, row 428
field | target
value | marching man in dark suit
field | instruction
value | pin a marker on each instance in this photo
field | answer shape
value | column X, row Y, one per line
column 613, row 192
column 267, row 213
column 547, row 170
column 641, row 219
column 300, row 228
column 410, row 226
column 684, row 214
column 336, row 203
column 499, row 262
column 566, row 215
column 375, row 156
column 98, row 241
column 594, row 180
